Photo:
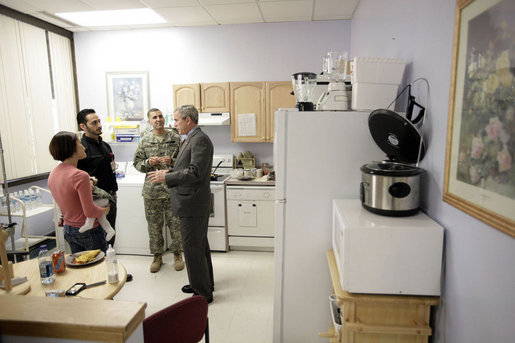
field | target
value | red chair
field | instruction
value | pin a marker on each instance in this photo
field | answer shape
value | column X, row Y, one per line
column 182, row 322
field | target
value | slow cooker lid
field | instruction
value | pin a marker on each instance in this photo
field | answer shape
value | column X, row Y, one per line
column 388, row 168
column 396, row 136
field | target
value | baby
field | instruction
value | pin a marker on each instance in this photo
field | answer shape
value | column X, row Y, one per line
column 100, row 198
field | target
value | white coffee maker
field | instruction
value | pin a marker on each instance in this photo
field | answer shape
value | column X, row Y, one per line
column 337, row 97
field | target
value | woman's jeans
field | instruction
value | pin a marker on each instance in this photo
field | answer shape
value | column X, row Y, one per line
column 90, row 240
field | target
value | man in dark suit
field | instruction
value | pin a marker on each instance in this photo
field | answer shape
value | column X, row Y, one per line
column 191, row 198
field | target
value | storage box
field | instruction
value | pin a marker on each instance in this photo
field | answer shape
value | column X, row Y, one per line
column 127, row 138
column 126, row 130
column 377, row 70
column 375, row 82
column 372, row 96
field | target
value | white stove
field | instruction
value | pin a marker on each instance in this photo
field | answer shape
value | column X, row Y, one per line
column 217, row 229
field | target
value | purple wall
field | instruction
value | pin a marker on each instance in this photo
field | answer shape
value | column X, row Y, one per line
column 478, row 302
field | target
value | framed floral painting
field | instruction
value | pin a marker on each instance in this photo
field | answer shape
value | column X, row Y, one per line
column 127, row 95
column 479, row 168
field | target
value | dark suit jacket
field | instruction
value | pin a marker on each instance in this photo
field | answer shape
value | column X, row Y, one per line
column 189, row 180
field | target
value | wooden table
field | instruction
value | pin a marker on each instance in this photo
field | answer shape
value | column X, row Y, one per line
column 88, row 274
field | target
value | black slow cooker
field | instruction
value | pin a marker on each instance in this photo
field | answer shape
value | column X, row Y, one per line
column 392, row 187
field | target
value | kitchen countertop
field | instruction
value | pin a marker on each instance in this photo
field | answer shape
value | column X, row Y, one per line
column 235, row 182
column 70, row 318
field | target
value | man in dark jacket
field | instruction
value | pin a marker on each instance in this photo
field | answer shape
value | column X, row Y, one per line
column 99, row 162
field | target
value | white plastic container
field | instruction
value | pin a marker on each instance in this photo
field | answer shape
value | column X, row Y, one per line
column 335, row 314
column 372, row 96
column 375, row 82
column 377, row 70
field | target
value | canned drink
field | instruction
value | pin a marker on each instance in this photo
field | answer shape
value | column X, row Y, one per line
column 58, row 262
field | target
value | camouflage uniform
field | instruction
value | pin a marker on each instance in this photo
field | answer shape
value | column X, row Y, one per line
column 157, row 196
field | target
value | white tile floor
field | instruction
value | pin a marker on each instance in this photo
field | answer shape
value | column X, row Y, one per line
column 243, row 299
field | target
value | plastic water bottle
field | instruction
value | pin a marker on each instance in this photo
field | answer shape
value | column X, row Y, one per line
column 39, row 199
column 4, row 204
column 33, row 198
column 15, row 204
column 46, row 271
column 112, row 265
column 27, row 200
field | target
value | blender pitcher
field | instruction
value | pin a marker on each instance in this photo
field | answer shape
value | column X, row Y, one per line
column 304, row 88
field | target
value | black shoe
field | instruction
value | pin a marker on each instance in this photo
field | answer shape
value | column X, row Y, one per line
column 187, row 289
column 209, row 300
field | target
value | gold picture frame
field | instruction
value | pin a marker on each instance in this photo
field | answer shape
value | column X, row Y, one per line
column 480, row 161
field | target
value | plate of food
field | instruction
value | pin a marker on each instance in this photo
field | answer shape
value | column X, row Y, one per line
column 244, row 177
column 84, row 258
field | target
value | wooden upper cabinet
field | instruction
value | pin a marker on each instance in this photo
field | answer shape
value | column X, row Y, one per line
column 247, row 111
column 186, row 95
column 278, row 95
column 215, row 97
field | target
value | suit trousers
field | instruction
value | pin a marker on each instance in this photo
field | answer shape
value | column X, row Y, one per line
column 197, row 254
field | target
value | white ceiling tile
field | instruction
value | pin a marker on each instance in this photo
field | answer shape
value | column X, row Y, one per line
column 235, row 14
column 334, row 9
column 104, row 5
column 56, row 6
column 225, row 2
column 185, row 16
column 19, row 5
column 195, row 12
column 287, row 10
column 170, row 3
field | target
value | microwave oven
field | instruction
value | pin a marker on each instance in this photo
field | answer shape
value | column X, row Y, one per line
column 386, row 255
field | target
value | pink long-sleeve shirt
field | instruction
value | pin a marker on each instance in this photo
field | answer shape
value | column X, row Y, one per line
column 71, row 189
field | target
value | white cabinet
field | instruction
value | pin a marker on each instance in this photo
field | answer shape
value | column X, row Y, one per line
column 250, row 217
column 131, row 224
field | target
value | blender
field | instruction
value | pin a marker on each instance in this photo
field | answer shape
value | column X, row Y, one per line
column 337, row 97
column 304, row 89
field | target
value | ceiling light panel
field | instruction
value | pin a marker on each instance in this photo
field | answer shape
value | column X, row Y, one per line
column 186, row 16
column 113, row 18
column 113, row 4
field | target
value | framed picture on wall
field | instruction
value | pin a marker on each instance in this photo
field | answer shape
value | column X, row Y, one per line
column 127, row 95
column 480, row 166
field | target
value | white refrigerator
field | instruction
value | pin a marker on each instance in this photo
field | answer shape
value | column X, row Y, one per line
column 317, row 158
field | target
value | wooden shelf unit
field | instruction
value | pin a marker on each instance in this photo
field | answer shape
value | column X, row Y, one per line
column 372, row 318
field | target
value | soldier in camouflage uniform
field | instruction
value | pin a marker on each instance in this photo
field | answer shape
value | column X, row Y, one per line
column 157, row 150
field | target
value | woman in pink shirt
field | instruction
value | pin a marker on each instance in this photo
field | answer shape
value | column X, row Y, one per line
column 71, row 189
